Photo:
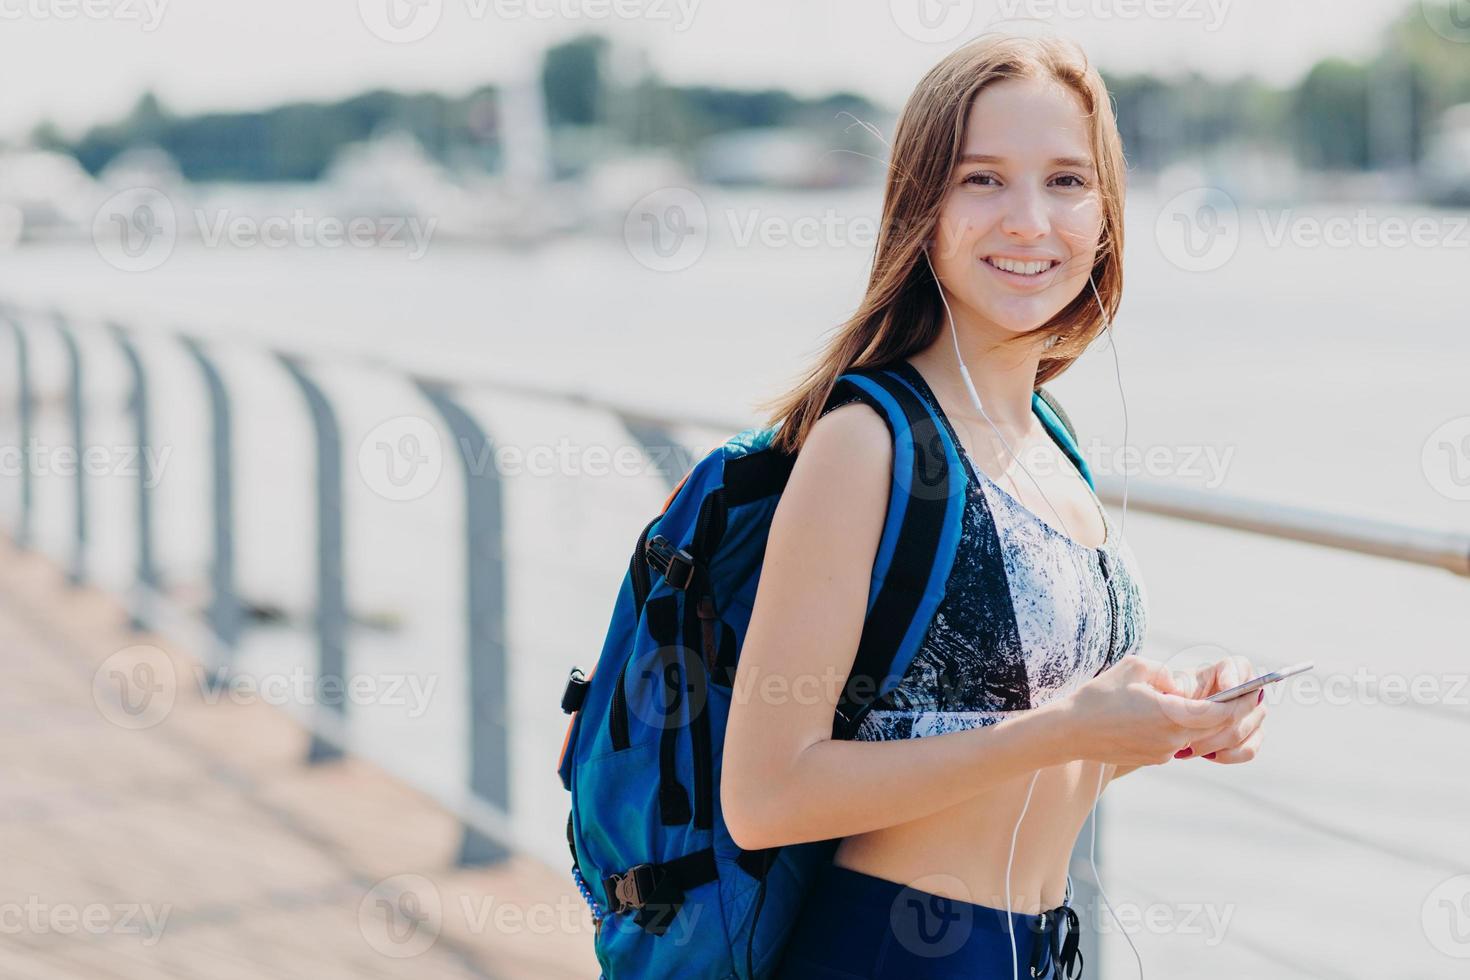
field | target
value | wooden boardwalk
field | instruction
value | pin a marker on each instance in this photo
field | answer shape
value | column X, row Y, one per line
column 203, row 848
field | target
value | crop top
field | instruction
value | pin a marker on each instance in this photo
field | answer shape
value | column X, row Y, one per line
column 1028, row 615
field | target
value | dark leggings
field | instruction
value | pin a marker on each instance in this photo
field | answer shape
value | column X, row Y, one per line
column 855, row 926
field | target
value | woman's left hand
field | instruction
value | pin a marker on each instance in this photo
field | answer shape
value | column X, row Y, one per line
column 1240, row 742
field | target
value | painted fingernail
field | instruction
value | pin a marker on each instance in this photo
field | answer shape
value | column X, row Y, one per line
column 1185, row 752
column 1260, row 695
column 1210, row 756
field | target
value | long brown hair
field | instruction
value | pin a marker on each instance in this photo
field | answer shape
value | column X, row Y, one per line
column 901, row 311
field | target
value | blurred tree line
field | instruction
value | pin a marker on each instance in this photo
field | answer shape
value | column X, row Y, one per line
column 599, row 100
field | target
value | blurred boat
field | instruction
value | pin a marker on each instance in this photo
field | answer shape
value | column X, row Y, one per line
column 1445, row 169
column 392, row 175
column 775, row 156
column 612, row 187
column 44, row 196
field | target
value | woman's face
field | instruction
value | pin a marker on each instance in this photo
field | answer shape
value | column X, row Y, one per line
column 1021, row 217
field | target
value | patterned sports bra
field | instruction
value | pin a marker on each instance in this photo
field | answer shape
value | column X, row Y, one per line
column 1028, row 615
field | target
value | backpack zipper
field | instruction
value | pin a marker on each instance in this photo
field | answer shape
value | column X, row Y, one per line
column 699, row 724
column 617, row 719
column 707, row 616
column 703, row 644
column 1102, row 560
column 638, row 567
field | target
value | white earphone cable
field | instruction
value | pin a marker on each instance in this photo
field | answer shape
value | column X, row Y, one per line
column 975, row 397
column 1015, row 963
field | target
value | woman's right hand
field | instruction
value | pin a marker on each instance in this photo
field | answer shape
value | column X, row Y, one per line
column 1136, row 713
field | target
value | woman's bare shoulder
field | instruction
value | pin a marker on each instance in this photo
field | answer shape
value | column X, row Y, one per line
column 837, row 494
column 849, row 443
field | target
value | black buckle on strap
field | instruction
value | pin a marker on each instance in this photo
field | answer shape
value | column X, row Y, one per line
column 651, row 891
column 656, row 891
column 675, row 564
column 575, row 692
column 627, row 890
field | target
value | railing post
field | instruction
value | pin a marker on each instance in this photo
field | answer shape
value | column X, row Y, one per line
column 77, row 573
column 224, row 606
column 485, row 608
column 1086, row 897
column 331, row 603
column 657, row 443
column 141, row 611
column 25, row 407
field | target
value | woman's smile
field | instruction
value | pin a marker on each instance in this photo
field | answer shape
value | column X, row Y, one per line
column 1033, row 273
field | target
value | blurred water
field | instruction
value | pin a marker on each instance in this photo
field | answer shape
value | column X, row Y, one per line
column 1318, row 372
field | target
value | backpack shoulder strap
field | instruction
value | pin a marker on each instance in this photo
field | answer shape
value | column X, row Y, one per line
column 921, row 532
column 1061, row 429
column 1051, row 402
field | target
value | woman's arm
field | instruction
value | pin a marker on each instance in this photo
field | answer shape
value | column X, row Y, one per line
column 784, row 778
column 835, row 788
column 1238, row 743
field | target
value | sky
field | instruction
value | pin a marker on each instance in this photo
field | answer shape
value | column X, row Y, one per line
column 78, row 62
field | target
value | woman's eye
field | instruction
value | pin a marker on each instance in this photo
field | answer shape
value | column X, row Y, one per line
column 988, row 179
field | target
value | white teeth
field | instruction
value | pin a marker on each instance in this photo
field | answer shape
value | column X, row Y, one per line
column 1021, row 268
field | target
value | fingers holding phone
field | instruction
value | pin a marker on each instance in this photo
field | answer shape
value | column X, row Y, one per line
column 1223, row 683
column 1223, row 674
column 1240, row 739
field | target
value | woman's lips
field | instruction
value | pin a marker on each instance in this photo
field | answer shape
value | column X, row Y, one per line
column 1043, row 275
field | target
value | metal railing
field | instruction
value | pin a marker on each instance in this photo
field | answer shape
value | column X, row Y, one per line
column 483, row 805
column 1345, row 532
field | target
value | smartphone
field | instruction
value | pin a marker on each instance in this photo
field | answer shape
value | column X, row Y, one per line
column 1256, row 683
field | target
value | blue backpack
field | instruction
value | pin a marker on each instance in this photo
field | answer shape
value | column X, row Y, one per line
column 672, row 895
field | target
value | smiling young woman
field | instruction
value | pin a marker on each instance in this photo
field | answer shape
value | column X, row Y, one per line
column 999, row 261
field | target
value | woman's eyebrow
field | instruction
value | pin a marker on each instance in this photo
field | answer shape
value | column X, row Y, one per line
column 1083, row 162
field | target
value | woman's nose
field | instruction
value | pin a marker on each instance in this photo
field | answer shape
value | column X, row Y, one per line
column 1026, row 216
